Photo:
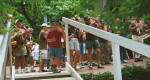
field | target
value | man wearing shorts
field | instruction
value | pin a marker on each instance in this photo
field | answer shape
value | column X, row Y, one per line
column 92, row 42
column 19, row 49
column 55, row 45
column 43, row 47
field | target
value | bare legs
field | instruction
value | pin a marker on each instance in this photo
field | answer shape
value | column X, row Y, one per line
column 90, row 55
column 41, row 65
column 74, row 63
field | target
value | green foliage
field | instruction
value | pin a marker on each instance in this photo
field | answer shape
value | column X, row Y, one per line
column 104, row 76
column 125, row 9
column 128, row 72
column 32, row 12
column 136, row 73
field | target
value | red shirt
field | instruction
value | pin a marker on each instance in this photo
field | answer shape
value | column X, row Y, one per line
column 57, row 35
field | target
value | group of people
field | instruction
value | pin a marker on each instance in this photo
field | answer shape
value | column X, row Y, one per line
column 49, row 47
column 51, row 44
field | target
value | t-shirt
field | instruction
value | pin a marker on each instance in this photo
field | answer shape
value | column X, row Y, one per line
column 57, row 35
column 35, row 48
column 91, row 36
column 42, row 41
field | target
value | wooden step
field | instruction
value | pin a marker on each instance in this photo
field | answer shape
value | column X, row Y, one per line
column 41, row 75
column 64, row 78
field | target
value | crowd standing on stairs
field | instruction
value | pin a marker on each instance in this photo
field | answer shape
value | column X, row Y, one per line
column 84, row 47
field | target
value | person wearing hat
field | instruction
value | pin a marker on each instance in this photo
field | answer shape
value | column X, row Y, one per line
column 55, row 34
column 19, row 49
column 42, row 47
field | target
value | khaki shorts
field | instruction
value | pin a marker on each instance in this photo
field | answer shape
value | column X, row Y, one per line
column 43, row 54
column 74, row 44
column 92, row 44
column 22, row 51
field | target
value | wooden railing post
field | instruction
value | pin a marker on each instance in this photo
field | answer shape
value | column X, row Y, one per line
column 67, row 43
column 116, row 61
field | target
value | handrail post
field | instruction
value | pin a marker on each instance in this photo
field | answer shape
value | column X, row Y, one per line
column 116, row 61
column 67, row 43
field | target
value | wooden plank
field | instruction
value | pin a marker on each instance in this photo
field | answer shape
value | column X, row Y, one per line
column 116, row 61
column 73, row 72
column 42, row 74
column 1, row 39
column 3, row 56
column 125, row 42
column 3, row 53
column 67, row 43
column 13, row 73
column 66, row 78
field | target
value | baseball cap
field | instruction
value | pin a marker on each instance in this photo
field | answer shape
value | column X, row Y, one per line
column 18, row 20
column 44, row 24
column 54, row 19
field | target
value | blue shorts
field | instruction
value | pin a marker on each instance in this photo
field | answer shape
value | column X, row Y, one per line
column 81, row 48
column 55, row 52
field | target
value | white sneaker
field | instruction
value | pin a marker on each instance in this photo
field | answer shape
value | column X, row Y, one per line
column 22, row 71
column 125, row 61
column 32, row 69
column 26, row 70
column 16, row 71
column 78, row 66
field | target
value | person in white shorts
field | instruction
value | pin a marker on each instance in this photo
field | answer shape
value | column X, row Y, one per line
column 74, row 45
column 43, row 47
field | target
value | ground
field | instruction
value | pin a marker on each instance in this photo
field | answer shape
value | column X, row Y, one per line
column 107, row 68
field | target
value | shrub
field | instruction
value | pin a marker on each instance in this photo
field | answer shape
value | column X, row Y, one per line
column 104, row 76
column 128, row 73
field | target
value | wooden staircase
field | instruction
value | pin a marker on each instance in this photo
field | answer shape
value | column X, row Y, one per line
column 64, row 75
column 68, row 74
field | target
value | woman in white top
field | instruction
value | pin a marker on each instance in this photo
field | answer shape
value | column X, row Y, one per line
column 35, row 52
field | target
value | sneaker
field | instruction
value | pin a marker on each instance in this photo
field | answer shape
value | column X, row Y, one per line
column 78, row 66
column 100, row 66
column 26, row 71
column 94, row 64
column 32, row 69
column 56, row 70
column 90, row 67
column 125, row 61
column 52, row 68
column 62, row 65
column 22, row 71
column 49, row 70
column 16, row 71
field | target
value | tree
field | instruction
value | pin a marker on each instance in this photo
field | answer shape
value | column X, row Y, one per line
column 125, row 9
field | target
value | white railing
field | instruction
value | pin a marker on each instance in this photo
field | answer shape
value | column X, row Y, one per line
column 5, row 43
column 116, row 42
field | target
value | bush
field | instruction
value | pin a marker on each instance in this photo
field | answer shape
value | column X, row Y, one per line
column 128, row 73
column 136, row 72
column 104, row 76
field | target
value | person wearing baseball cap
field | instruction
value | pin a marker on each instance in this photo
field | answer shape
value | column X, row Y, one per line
column 42, row 47
column 54, row 37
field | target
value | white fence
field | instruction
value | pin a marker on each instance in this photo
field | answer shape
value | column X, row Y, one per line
column 4, row 44
column 116, row 42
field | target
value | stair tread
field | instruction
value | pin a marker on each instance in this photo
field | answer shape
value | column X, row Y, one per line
column 64, row 78
column 41, row 74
